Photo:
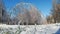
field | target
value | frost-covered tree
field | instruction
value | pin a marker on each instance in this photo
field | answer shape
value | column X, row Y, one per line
column 27, row 14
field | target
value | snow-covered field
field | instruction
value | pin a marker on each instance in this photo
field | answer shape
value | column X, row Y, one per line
column 30, row 29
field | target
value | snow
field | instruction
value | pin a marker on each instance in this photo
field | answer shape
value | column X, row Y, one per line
column 31, row 29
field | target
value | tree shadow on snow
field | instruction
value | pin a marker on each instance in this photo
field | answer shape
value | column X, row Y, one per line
column 58, row 31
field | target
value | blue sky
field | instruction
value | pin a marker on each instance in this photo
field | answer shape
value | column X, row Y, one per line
column 44, row 6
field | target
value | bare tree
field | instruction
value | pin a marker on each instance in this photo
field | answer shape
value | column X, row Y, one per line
column 56, row 11
column 0, row 10
column 4, row 16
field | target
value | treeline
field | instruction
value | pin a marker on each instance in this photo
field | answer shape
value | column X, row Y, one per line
column 55, row 12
